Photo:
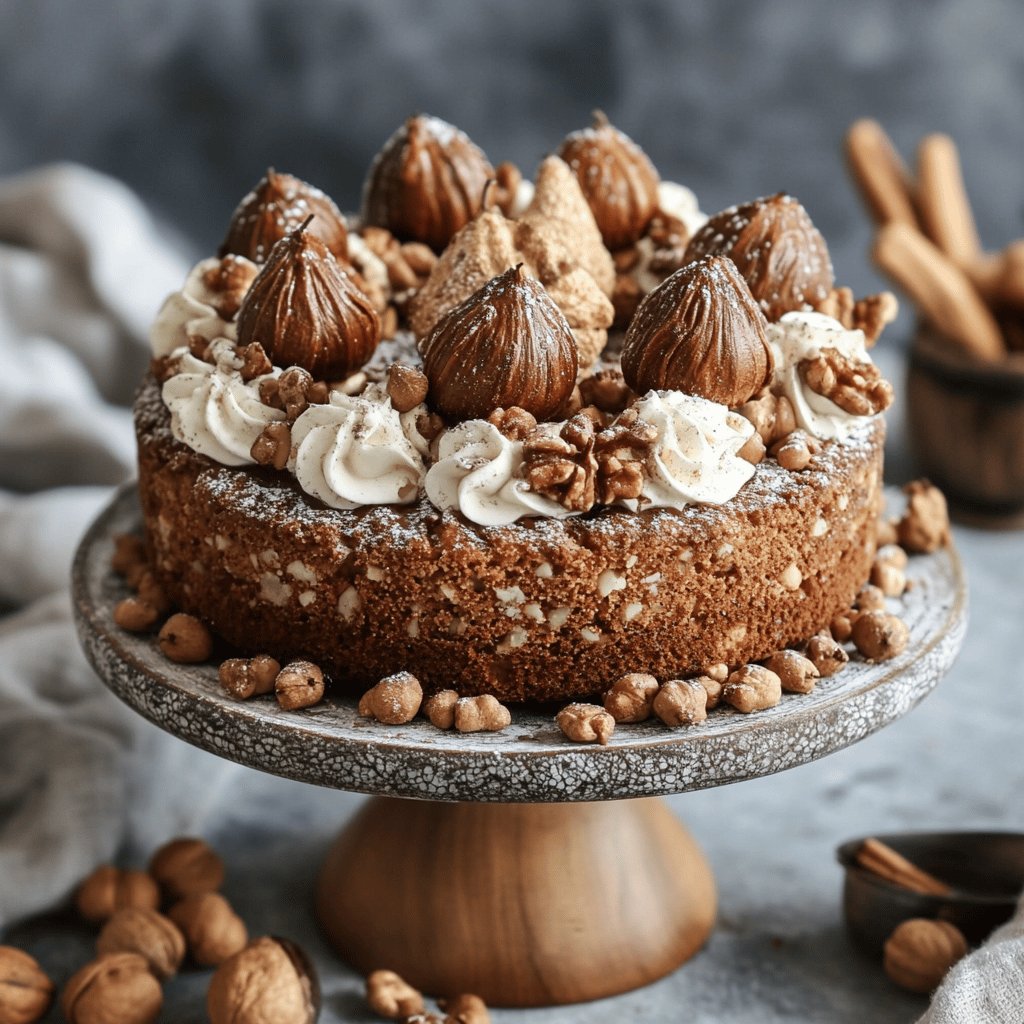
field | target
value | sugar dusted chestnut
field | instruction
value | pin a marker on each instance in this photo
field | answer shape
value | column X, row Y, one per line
column 776, row 248
column 699, row 332
column 306, row 310
column 619, row 181
column 276, row 206
column 427, row 182
column 507, row 344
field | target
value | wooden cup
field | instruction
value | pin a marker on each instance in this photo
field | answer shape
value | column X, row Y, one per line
column 966, row 421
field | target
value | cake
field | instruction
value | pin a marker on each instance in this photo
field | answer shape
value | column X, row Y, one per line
column 513, row 438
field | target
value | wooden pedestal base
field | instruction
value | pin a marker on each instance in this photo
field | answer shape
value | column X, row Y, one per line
column 522, row 904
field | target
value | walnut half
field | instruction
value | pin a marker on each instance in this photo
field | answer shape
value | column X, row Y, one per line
column 857, row 388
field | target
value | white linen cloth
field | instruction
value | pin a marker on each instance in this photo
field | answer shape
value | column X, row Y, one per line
column 82, row 269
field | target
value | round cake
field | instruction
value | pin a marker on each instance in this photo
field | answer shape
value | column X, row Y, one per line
column 493, row 498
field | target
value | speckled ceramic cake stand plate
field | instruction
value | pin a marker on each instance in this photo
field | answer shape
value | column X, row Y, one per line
column 516, row 843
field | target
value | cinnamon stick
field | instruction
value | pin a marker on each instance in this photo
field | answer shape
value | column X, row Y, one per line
column 882, row 176
column 882, row 860
column 942, row 200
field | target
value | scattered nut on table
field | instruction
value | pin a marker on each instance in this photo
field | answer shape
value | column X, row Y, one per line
column 920, row 952
column 300, row 684
column 135, row 615
column 631, row 697
column 154, row 937
column 484, row 713
column 585, row 723
column 752, row 688
column 212, row 930
column 880, row 636
column 465, row 1009
column 108, row 889
column 395, row 700
column 186, row 866
column 184, row 639
column 713, row 687
column 796, row 673
column 116, row 988
column 25, row 990
column 391, row 996
column 270, row 981
column 681, row 702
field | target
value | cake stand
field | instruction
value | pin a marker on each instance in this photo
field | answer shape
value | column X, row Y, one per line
column 515, row 865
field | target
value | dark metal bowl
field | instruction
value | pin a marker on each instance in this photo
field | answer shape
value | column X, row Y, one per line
column 986, row 870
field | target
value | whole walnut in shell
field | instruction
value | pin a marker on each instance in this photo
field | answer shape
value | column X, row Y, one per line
column 699, row 332
column 148, row 933
column 114, row 989
column 109, row 888
column 920, row 951
column 212, row 930
column 507, row 344
column 619, row 181
column 306, row 310
column 276, row 206
column 776, row 248
column 427, row 182
column 25, row 991
column 271, row 981
column 186, row 866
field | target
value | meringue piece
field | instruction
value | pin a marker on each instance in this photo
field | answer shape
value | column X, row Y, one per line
column 213, row 410
column 798, row 336
column 190, row 313
column 479, row 472
column 354, row 451
column 694, row 459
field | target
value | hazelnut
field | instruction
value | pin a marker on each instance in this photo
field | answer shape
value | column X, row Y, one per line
column 108, row 889
column 440, row 708
column 391, row 996
column 427, row 182
column 114, row 989
column 484, row 713
column 184, row 639
column 585, row 723
column 920, row 952
column 300, row 684
column 407, row 387
column 25, row 991
column 395, row 700
column 880, row 636
column 841, row 626
column 270, row 981
column 827, row 655
column 307, row 310
column 212, row 930
column 465, row 1009
column 631, row 697
column 249, row 677
column 149, row 590
column 794, row 451
column 718, row 671
column 186, row 866
column 148, row 933
column 890, row 579
column 776, row 248
column 507, row 344
column 700, row 332
column 752, row 688
column 135, row 615
column 277, row 205
column 681, row 702
column 796, row 673
column 618, row 180
column 713, row 687
column 925, row 524
column 273, row 445
column 870, row 599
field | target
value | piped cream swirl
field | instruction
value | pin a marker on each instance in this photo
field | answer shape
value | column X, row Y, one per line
column 479, row 472
column 213, row 410
column 190, row 313
column 357, row 450
column 798, row 336
column 694, row 459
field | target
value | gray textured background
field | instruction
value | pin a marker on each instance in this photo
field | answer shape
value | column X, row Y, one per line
column 189, row 101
